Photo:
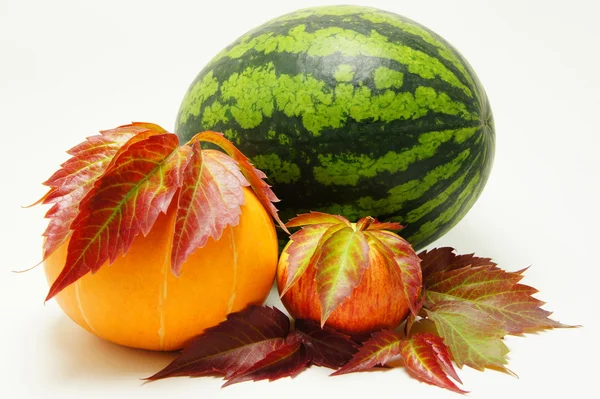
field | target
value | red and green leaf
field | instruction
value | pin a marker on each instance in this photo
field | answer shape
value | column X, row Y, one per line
column 254, row 176
column 445, row 259
column 403, row 260
column 234, row 346
column 495, row 292
column 474, row 338
column 428, row 359
column 137, row 185
column 340, row 267
column 209, row 201
column 311, row 218
column 76, row 177
column 285, row 361
column 325, row 346
column 377, row 350
column 301, row 252
column 377, row 225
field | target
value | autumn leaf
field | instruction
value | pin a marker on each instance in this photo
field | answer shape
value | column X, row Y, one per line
column 495, row 292
column 242, row 341
column 253, row 175
column 325, row 346
column 377, row 225
column 344, row 259
column 312, row 218
column 403, row 260
column 125, row 201
column 474, row 338
column 285, row 361
column 428, row 359
column 445, row 259
column 76, row 177
column 377, row 350
column 209, row 201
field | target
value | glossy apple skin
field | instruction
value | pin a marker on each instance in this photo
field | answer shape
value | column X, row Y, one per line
column 377, row 303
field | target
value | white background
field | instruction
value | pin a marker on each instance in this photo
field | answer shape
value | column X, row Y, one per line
column 68, row 69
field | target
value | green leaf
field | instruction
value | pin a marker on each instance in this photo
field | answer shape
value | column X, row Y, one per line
column 474, row 338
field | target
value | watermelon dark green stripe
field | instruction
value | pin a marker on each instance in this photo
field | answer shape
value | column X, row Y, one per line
column 355, row 111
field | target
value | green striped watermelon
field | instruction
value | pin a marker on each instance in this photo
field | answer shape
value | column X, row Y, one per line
column 353, row 111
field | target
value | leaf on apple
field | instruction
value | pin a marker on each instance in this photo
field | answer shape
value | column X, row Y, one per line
column 325, row 346
column 429, row 360
column 231, row 348
column 339, row 251
column 344, row 259
column 403, row 260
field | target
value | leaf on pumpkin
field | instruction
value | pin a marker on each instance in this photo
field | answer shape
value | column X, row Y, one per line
column 494, row 292
column 125, row 201
column 402, row 259
column 377, row 350
column 313, row 217
column 325, row 346
column 474, row 338
column 231, row 348
column 285, row 361
column 76, row 177
column 253, row 175
column 428, row 359
column 209, row 202
column 445, row 259
column 340, row 267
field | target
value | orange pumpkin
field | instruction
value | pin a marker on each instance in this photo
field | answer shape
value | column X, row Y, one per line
column 136, row 301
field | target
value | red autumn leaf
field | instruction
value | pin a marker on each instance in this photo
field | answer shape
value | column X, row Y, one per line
column 70, row 184
column 401, row 258
column 445, row 259
column 377, row 225
column 125, row 201
column 428, row 359
column 254, row 176
column 325, row 346
column 233, row 346
column 301, row 251
column 494, row 292
column 312, row 217
column 474, row 338
column 377, row 350
column 209, row 201
column 285, row 361
column 340, row 267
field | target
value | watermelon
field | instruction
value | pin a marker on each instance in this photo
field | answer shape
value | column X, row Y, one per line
column 353, row 111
